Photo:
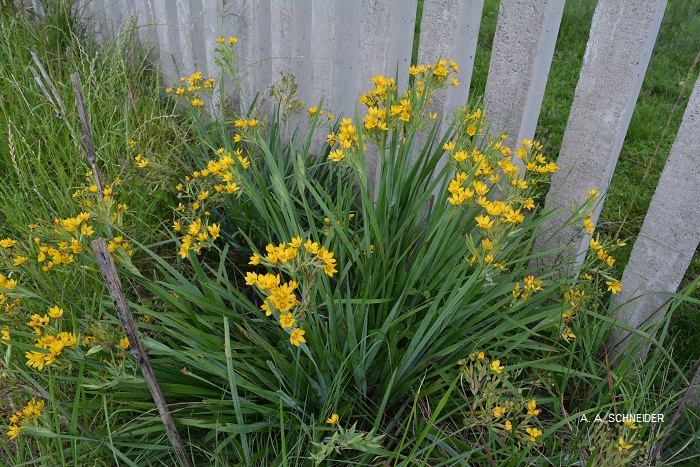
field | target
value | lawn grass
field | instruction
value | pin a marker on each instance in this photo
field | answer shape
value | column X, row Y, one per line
column 42, row 164
column 41, row 160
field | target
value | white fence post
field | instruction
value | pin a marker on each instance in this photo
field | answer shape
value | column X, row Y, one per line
column 621, row 41
column 670, row 232
column 450, row 29
column 523, row 47
column 386, row 43
column 252, row 26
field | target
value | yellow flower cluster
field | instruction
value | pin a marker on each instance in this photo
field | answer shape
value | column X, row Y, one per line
column 66, row 235
column 505, row 409
column 296, row 261
column 440, row 70
column 110, row 208
column 388, row 110
column 602, row 253
column 118, row 243
column 242, row 123
column 313, row 110
column 192, row 85
column 535, row 161
column 53, row 344
column 282, row 298
column 205, row 190
column 573, row 300
column 5, row 301
column 312, row 256
column 231, row 40
column 382, row 87
column 530, row 286
column 485, row 166
column 6, row 283
column 346, row 139
column 18, row 420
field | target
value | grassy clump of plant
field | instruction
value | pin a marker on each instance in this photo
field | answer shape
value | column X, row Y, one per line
column 298, row 314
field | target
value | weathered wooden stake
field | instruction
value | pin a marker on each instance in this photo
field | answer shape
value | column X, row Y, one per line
column 109, row 273
column 88, row 144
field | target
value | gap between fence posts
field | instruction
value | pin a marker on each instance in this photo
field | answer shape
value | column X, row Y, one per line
column 109, row 273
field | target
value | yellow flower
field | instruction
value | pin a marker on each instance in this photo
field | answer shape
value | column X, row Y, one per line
column 496, row 366
column 124, row 343
column 18, row 260
column 481, row 356
column 311, row 247
column 196, row 102
column 86, row 230
column 287, row 321
column 184, row 250
column 33, row 408
column 337, row 155
column 630, row 424
column 38, row 320
column 483, row 221
column 330, row 269
column 312, row 110
column 334, row 419
column 449, row 146
column 534, row 433
column 614, row 287
column 593, row 193
column 508, row 426
column 568, row 334
column 498, row 411
column 35, row 359
column 232, row 40
column 141, row 162
column 220, row 40
column 55, row 312
column 480, row 187
column 252, row 122
column 254, row 260
column 297, row 336
column 623, row 444
column 13, row 431
column 7, row 243
column 532, row 408
column 194, row 227
column 214, row 230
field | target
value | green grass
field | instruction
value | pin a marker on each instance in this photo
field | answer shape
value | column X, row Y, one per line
column 42, row 164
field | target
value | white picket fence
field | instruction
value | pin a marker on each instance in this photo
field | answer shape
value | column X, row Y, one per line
column 334, row 47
